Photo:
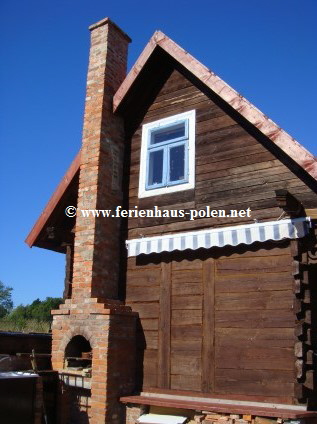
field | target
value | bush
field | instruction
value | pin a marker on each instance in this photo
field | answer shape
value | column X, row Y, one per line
column 34, row 317
column 38, row 310
column 26, row 326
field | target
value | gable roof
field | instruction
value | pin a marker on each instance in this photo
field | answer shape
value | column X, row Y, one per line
column 272, row 131
column 159, row 41
column 54, row 201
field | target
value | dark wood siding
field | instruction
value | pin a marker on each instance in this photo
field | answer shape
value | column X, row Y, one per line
column 233, row 169
column 216, row 321
column 254, row 330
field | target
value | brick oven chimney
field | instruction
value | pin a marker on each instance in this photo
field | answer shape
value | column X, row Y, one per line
column 97, row 248
column 93, row 323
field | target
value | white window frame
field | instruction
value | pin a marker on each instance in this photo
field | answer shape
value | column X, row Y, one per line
column 147, row 129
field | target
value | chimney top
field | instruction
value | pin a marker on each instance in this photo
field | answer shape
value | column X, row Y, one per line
column 107, row 21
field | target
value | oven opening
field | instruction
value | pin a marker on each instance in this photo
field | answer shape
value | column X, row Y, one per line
column 78, row 356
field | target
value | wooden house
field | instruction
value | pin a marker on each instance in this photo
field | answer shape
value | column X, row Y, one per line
column 198, row 290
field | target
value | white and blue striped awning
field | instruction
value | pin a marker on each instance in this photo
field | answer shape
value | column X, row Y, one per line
column 219, row 237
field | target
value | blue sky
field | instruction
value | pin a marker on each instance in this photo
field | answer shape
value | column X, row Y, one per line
column 265, row 49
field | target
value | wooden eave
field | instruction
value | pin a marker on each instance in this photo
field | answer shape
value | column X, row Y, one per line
column 247, row 110
column 49, row 210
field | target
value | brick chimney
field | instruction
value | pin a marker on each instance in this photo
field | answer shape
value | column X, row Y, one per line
column 93, row 319
column 96, row 263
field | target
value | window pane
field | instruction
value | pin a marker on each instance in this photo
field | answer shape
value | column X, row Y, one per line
column 168, row 134
column 155, row 174
column 177, row 163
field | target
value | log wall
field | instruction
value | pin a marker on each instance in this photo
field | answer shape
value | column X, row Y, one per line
column 234, row 170
column 216, row 321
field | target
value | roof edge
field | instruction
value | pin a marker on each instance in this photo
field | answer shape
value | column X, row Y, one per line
column 56, row 197
column 266, row 126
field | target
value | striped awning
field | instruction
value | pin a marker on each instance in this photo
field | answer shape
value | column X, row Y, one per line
column 219, row 237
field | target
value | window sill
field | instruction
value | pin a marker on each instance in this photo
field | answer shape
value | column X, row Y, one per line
column 165, row 190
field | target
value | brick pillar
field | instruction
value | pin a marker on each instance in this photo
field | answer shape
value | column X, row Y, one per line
column 97, row 240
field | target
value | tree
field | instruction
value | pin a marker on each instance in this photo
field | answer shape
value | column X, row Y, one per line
column 6, row 303
column 38, row 310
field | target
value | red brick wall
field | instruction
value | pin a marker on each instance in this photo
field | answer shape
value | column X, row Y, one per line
column 111, row 334
column 97, row 239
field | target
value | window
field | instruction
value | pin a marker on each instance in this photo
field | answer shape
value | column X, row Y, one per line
column 168, row 155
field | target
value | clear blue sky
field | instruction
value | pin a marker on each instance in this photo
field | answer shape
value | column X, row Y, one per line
column 265, row 49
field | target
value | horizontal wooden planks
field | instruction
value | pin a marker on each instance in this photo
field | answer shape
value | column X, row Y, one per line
column 257, row 382
column 261, row 319
column 143, row 295
column 190, row 382
column 223, row 322
column 254, row 301
column 261, row 338
column 254, row 323
column 188, row 302
column 147, row 294
column 234, row 170
column 186, row 364
column 185, row 345
column 186, row 324
column 254, row 179
column 240, row 357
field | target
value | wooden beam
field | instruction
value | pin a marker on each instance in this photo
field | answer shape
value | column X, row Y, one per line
column 208, row 342
column 69, row 271
column 289, row 203
column 164, row 336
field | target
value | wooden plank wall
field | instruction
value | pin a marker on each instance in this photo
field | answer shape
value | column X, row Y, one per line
column 143, row 295
column 217, row 321
column 254, row 330
column 233, row 169
column 186, row 325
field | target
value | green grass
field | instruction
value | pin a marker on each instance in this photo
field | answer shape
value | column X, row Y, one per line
column 25, row 326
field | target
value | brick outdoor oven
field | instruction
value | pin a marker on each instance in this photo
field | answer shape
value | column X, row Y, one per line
column 92, row 320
